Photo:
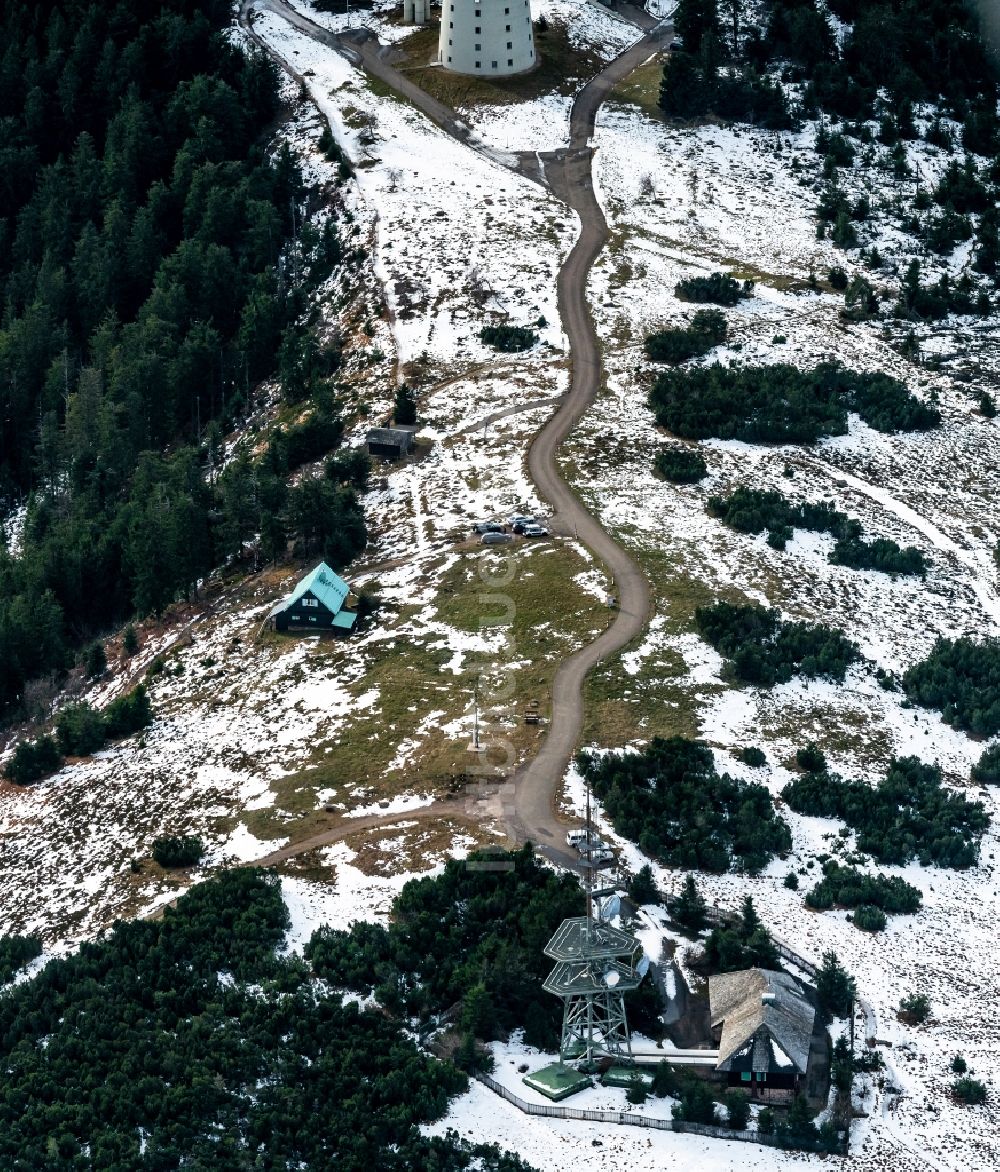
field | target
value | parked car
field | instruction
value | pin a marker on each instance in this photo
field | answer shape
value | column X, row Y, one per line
column 496, row 538
column 578, row 840
column 602, row 857
column 518, row 522
column 488, row 527
column 535, row 531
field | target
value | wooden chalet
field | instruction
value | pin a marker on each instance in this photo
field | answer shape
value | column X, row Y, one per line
column 766, row 1027
column 317, row 602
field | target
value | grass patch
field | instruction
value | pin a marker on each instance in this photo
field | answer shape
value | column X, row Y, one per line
column 543, row 614
column 836, row 729
column 622, row 707
column 560, row 65
column 658, row 700
column 642, row 88
column 393, row 850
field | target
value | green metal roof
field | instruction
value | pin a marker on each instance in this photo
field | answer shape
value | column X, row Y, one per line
column 576, row 978
column 580, row 939
column 344, row 619
column 324, row 584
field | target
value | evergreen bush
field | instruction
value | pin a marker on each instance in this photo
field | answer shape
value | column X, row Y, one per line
column 508, row 339
column 961, row 679
column 764, row 649
column 681, row 465
column 969, row 1091
column 914, row 1009
column 172, row 850
column 781, row 403
column 33, row 760
column 670, row 799
column 908, row 815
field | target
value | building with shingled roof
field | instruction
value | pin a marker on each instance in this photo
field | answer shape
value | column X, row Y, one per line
column 317, row 602
column 766, row 1026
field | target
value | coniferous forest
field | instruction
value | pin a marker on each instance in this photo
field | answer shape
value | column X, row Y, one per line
column 190, row 1043
column 152, row 260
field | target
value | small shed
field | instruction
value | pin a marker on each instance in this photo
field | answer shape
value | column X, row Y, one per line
column 766, row 1029
column 390, row 443
column 317, row 601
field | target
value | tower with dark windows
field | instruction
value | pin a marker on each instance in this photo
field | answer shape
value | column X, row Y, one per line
column 486, row 38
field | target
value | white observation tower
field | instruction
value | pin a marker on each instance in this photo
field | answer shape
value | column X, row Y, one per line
column 486, row 38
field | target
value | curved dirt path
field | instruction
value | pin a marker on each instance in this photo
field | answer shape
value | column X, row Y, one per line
column 530, row 810
column 571, row 176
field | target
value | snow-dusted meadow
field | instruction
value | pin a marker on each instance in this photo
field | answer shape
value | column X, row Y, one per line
column 455, row 238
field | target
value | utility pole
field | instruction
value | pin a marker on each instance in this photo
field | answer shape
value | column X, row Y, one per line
column 475, row 727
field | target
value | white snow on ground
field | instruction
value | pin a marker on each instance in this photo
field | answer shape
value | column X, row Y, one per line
column 557, row 1145
column 447, row 217
column 686, row 202
column 12, row 530
column 383, row 18
column 459, row 240
column 352, row 895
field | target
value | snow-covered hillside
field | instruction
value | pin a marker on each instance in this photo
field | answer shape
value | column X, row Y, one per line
column 259, row 741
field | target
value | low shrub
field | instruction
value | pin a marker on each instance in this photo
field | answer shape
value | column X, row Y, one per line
column 780, row 403
column 681, row 465
column 764, row 649
column 128, row 714
column 848, row 887
column 752, row 756
column 914, row 1009
column 680, row 343
column 869, row 919
column 15, row 953
column 960, row 678
column 969, row 1091
column 882, row 554
column 749, row 510
column 33, row 760
column 80, row 731
column 178, row 851
column 718, row 289
column 508, row 339
column 909, row 814
column 670, row 799
column 810, row 758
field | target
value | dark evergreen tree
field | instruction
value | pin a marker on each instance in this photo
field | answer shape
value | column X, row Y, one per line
column 688, row 907
column 835, row 989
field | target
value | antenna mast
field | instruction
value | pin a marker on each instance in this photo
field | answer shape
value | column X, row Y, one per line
column 589, row 872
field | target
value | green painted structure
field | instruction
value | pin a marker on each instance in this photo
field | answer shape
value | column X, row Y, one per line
column 557, row 1081
column 626, row 1077
column 316, row 602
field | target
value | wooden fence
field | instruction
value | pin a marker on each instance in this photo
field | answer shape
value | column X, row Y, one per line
column 629, row 1118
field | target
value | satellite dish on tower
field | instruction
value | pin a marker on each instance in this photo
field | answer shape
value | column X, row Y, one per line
column 610, row 908
column 611, row 977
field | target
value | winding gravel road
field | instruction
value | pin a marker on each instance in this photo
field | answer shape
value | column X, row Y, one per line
column 570, row 174
column 529, row 805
